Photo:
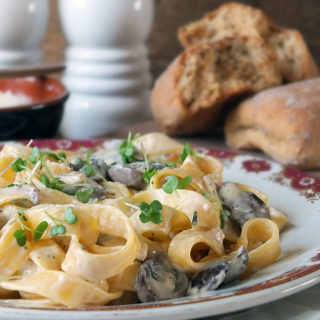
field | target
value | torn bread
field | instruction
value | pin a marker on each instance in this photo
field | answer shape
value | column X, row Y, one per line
column 282, row 121
column 236, row 19
column 189, row 96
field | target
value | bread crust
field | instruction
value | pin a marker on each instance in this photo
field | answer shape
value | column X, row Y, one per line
column 198, row 31
column 295, row 61
column 177, row 116
column 283, row 122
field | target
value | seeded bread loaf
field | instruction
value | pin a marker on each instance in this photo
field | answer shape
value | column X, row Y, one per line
column 282, row 121
column 190, row 94
column 236, row 19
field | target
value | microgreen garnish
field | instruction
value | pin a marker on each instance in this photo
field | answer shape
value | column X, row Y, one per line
column 173, row 183
column 34, row 155
column 21, row 237
column 33, row 172
column 184, row 182
column 88, row 171
column 60, row 156
column 20, row 234
column 224, row 214
column 70, row 217
column 187, row 150
column 151, row 212
column 84, row 195
column 58, row 230
column 78, row 162
column 206, row 195
column 55, row 183
column 148, row 175
column 19, row 165
column 195, row 218
column 171, row 164
column 88, row 156
column 39, row 230
column 127, row 149
column 21, row 153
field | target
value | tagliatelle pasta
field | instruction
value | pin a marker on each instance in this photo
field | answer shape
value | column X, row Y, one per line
column 78, row 230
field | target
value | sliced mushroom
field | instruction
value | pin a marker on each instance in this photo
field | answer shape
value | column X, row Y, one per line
column 131, row 174
column 98, row 193
column 99, row 165
column 237, row 265
column 243, row 205
column 130, row 177
column 101, row 169
column 77, row 164
column 218, row 273
column 158, row 279
column 209, row 279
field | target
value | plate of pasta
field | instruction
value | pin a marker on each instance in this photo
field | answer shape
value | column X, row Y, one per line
column 147, row 227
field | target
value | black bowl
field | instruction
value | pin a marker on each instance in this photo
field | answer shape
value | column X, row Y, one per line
column 39, row 119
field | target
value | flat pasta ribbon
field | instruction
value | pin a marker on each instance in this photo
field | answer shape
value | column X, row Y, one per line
column 62, row 288
column 96, row 262
column 181, row 246
column 11, row 255
column 261, row 238
column 173, row 221
column 188, row 202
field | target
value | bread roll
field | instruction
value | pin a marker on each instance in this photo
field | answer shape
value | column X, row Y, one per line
column 236, row 19
column 189, row 96
column 284, row 122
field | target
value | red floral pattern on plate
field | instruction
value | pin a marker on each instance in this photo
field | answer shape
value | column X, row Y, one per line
column 256, row 165
column 301, row 180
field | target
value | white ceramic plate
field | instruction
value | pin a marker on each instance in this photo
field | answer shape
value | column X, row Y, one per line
column 295, row 193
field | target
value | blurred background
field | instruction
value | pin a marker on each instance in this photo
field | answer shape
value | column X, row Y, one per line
column 171, row 14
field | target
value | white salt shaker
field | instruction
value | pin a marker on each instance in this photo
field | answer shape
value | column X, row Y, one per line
column 107, row 69
column 23, row 24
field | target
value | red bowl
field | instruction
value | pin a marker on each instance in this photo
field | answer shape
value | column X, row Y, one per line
column 39, row 119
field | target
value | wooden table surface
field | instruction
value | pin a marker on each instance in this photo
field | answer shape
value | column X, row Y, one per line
column 199, row 140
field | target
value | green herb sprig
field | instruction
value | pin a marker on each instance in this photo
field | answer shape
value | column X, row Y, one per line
column 171, row 164
column 19, row 165
column 36, row 155
column 90, row 170
column 187, row 151
column 151, row 212
column 20, row 234
column 173, row 183
column 149, row 173
column 127, row 149
column 84, row 195
column 224, row 215
column 54, row 183
column 59, row 229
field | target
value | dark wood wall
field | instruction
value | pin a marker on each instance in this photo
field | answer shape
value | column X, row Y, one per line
column 303, row 15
